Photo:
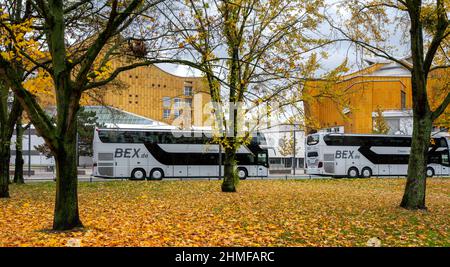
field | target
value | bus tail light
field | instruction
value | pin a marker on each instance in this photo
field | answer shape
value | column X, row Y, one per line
column 320, row 164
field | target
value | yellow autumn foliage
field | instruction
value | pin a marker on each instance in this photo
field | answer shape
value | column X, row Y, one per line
column 318, row 212
column 17, row 43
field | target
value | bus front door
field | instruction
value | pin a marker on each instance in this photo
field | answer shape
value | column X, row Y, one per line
column 105, row 164
column 262, row 165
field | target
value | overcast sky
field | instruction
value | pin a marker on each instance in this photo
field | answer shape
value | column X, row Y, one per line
column 337, row 53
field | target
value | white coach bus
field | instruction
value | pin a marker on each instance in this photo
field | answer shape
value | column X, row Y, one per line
column 356, row 155
column 156, row 154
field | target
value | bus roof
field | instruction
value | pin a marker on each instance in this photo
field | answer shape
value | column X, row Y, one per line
column 369, row 135
column 377, row 135
column 151, row 130
column 158, row 129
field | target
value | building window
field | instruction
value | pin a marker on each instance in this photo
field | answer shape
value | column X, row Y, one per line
column 188, row 90
column 403, row 99
column 166, row 113
column 177, row 102
column 166, row 102
column 188, row 102
column 394, row 125
column 176, row 113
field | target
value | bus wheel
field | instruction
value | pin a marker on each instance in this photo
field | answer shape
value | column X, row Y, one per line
column 242, row 173
column 430, row 172
column 156, row 174
column 353, row 172
column 366, row 172
column 138, row 174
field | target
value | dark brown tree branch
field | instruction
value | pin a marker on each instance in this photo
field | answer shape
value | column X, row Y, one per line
column 441, row 108
column 440, row 34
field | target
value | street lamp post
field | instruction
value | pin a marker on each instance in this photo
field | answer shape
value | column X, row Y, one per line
column 9, row 103
column 220, row 161
column 29, row 151
column 76, row 151
column 293, row 154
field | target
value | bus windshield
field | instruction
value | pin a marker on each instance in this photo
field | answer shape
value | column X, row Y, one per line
column 312, row 139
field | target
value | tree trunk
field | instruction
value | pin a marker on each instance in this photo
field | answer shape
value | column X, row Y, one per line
column 230, row 176
column 414, row 195
column 18, row 171
column 66, row 206
column 5, row 154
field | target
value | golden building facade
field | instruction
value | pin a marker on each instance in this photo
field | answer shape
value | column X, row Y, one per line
column 156, row 94
column 350, row 104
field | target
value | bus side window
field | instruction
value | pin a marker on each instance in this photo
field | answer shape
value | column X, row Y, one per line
column 119, row 137
column 104, row 136
column 167, row 138
column 150, row 137
column 245, row 159
column 141, row 137
column 433, row 158
column 180, row 140
column 157, row 137
column 444, row 158
column 129, row 137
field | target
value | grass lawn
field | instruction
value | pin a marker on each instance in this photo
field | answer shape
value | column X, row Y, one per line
column 263, row 213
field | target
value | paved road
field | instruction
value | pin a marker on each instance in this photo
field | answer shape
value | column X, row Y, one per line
column 45, row 177
column 49, row 176
column 85, row 178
